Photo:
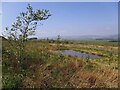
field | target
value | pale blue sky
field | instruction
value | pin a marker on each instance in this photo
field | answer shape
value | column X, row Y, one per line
column 69, row 19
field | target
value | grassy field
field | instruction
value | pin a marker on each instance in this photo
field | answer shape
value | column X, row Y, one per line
column 45, row 68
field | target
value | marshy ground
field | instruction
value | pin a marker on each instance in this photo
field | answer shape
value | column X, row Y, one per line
column 45, row 68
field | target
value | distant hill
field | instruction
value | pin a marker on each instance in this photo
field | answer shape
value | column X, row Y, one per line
column 89, row 37
column 110, row 37
column 85, row 37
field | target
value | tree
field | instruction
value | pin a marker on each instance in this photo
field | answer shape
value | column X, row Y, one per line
column 24, row 26
column 58, row 37
column 26, row 23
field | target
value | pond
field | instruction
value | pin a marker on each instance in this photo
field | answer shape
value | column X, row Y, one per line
column 79, row 54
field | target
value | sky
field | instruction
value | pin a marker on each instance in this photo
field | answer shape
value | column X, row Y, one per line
column 0, row 18
column 68, row 18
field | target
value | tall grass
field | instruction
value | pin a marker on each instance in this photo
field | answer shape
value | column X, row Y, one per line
column 44, row 68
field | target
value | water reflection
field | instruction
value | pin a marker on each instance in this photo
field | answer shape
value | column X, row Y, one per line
column 78, row 54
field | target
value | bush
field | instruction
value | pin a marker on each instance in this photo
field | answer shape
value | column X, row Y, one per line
column 11, row 80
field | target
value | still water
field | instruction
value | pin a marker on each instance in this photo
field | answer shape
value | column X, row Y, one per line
column 78, row 54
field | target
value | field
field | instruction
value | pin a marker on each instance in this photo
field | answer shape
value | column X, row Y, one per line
column 43, row 67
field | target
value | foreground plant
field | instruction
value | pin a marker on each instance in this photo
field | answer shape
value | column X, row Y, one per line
column 24, row 26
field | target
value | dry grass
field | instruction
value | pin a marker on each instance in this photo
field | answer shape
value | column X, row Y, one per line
column 74, row 74
column 44, row 68
column 95, row 79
